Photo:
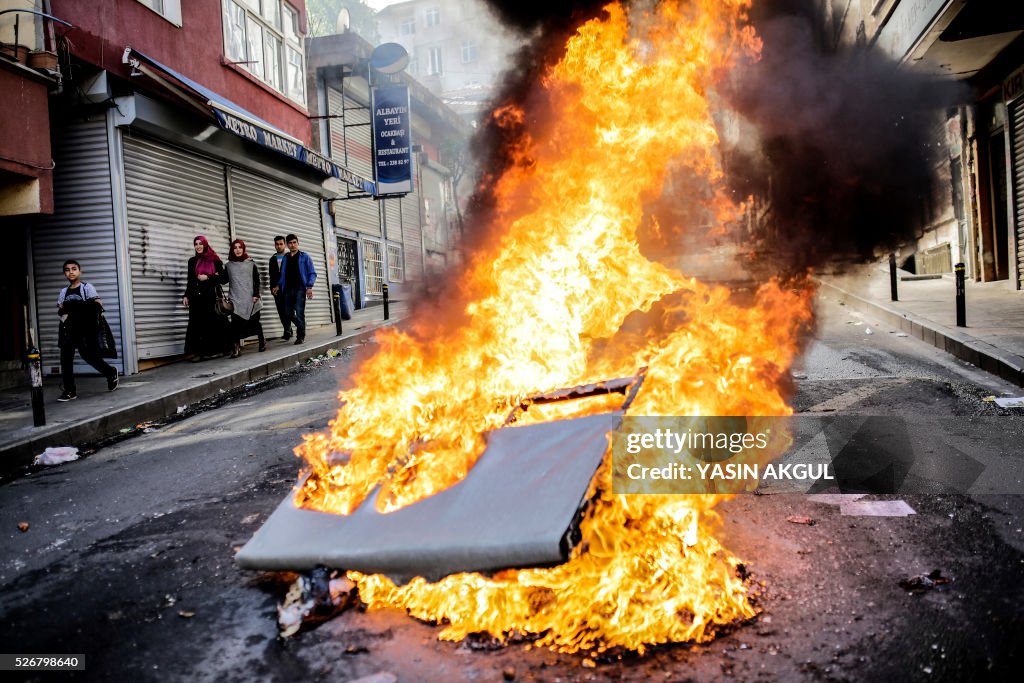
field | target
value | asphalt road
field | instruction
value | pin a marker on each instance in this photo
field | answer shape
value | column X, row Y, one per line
column 128, row 555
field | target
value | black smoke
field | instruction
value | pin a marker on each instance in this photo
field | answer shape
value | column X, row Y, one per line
column 843, row 143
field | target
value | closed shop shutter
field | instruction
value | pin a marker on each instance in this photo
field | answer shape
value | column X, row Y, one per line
column 412, row 236
column 263, row 208
column 172, row 196
column 351, row 140
column 1017, row 152
column 81, row 228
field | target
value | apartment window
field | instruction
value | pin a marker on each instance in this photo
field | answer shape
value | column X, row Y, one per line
column 407, row 27
column 434, row 61
column 433, row 16
column 468, row 52
column 396, row 267
column 168, row 9
column 263, row 37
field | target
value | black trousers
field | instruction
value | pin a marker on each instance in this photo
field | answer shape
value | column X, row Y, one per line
column 67, row 365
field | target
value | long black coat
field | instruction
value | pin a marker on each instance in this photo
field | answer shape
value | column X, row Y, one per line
column 207, row 332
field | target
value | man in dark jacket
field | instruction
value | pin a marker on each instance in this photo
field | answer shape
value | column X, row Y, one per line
column 296, row 285
column 276, row 261
column 79, row 307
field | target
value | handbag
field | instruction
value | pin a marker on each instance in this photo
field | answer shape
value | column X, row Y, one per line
column 105, row 338
column 222, row 305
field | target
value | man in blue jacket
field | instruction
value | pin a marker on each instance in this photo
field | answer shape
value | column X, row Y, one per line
column 296, row 285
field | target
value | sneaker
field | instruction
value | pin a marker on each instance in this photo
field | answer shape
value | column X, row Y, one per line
column 299, row 340
column 67, row 396
column 112, row 382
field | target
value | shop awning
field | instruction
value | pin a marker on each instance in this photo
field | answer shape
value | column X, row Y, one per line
column 234, row 119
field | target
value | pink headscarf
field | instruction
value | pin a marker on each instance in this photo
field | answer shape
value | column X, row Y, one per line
column 206, row 263
column 243, row 257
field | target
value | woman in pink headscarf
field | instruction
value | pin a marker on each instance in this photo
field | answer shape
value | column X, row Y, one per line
column 207, row 335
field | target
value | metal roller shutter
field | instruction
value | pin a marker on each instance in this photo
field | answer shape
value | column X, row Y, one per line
column 262, row 208
column 81, row 228
column 172, row 196
column 412, row 236
column 351, row 140
column 1017, row 152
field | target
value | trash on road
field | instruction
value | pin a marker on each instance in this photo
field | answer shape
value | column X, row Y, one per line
column 182, row 409
column 314, row 599
column 186, row 615
column 22, row 527
column 800, row 519
column 925, row 582
column 876, row 508
column 56, row 455
column 868, row 330
column 1010, row 402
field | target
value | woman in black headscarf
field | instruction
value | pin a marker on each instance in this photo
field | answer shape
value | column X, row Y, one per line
column 207, row 335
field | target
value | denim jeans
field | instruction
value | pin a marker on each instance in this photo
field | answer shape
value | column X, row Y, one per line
column 295, row 310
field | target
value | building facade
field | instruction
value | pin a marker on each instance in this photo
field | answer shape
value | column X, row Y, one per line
column 458, row 49
column 402, row 242
column 980, row 218
column 175, row 118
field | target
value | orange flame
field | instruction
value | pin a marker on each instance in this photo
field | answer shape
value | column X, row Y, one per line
column 545, row 306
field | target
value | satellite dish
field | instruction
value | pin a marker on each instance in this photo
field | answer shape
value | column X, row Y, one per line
column 344, row 21
column 389, row 58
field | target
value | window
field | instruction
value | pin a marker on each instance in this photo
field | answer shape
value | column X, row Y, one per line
column 373, row 266
column 434, row 61
column 433, row 16
column 396, row 268
column 168, row 9
column 407, row 27
column 468, row 52
column 262, row 36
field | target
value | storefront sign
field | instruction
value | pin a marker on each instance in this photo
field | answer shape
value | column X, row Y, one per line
column 907, row 25
column 392, row 140
column 267, row 138
column 1013, row 87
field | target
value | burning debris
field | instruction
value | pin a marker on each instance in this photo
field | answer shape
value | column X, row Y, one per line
column 562, row 294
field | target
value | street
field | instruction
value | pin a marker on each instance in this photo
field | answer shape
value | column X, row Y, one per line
column 128, row 554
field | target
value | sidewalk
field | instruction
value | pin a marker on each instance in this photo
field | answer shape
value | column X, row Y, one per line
column 159, row 392
column 993, row 339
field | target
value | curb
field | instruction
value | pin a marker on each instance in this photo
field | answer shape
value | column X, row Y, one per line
column 993, row 360
column 20, row 453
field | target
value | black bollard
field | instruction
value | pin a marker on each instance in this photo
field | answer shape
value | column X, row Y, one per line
column 892, row 277
column 337, row 312
column 961, row 296
column 35, row 371
column 387, row 313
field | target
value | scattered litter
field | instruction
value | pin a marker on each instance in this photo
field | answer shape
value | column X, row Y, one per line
column 22, row 527
column 835, row 498
column 220, row 391
column 333, row 353
column 901, row 334
column 182, row 409
column 314, row 599
column 379, row 677
column 249, row 519
column 56, row 455
column 250, row 385
column 799, row 375
column 186, row 615
column 800, row 519
column 125, row 430
column 1014, row 402
column 868, row 330
column 876, row 508
column 989, row 399
column 925, row 582
column 169, row 600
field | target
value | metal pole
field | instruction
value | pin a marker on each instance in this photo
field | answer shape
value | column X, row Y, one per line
column 35, row 371
column 337, row 311
column 961, row 296
column 892, row 277
column 387, row 313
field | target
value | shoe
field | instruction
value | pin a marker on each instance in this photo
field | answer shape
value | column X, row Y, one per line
column 284, row 337
column 112, row 382
column 67, row 396
column 236, row 351
column 299, row 340
column 263, row 346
